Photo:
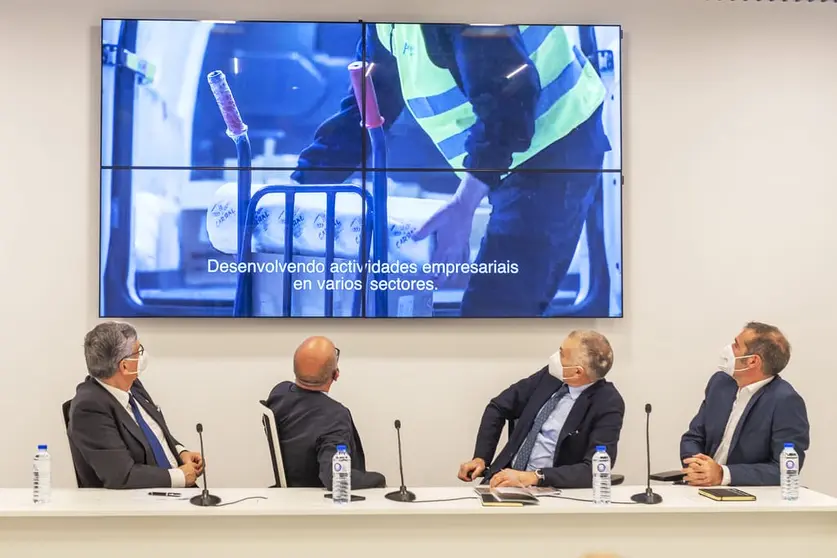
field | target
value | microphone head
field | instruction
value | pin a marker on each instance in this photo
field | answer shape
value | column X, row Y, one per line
column 199, row 428
column 397, row 424
column 648, row 408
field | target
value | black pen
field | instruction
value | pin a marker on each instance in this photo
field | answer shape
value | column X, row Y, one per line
column 166, row 494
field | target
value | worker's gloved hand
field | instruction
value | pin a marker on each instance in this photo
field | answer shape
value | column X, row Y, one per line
column 451, row 225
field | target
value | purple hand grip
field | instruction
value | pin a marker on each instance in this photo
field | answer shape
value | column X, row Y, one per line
column 226, row 103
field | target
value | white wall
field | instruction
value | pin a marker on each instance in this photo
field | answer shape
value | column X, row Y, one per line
column 730, row 184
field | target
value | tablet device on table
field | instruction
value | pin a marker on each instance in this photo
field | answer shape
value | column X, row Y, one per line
column 353, row 497
column 726, row 495
column 514, row 497
column 668, row 476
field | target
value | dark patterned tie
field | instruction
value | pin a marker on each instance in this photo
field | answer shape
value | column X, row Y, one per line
column 521, row 460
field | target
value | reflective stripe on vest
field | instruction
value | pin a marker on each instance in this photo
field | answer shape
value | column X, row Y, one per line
column 571, row 90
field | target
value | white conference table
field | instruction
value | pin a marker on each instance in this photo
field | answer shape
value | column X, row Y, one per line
column 302, row 523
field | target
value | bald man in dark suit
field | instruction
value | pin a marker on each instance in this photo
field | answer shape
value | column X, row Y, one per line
column 311, row 424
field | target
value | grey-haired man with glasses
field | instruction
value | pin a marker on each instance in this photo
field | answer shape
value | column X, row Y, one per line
column 118, row 436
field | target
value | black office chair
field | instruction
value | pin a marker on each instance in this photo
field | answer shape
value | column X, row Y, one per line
column 615, row 479
column 65, row 410
column 271, row 432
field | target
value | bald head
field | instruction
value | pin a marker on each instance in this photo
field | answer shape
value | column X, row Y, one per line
column 315, row 362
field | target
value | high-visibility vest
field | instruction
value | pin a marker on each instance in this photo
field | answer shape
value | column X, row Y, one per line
column 571, row 90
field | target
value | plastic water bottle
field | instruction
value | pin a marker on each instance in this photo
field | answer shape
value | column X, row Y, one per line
column 790, row 473
column 341, row 476
column 41, row 476
column 601, row 476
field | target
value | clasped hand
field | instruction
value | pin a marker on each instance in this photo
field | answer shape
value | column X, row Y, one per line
column 702, row 470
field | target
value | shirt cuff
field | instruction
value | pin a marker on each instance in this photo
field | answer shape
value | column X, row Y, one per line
column 727, row 479
column 180, row 449
column 178, row 478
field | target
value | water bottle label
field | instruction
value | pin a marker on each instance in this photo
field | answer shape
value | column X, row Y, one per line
column 601, row 467
column 338, row 467
column 790, row 464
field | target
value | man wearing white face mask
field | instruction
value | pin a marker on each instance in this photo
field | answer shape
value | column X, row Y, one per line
column 118, row 436
column 561, row 413
column 747, row 416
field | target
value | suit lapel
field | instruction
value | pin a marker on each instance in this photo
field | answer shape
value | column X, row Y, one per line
column 715, row 433
column 579, row 410
column 141, row 397
column 541, row 395
column 746, row 412
column 127, row 421
column 149, row 407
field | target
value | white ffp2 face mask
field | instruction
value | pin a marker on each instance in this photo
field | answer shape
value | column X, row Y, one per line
column 727, row 360
column 142, row 363
column 557, row 369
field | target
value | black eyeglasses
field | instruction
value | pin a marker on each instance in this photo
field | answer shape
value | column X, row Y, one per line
column 139, row 352
column 337, row 352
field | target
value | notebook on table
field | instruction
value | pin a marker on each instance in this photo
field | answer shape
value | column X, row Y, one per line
column 726, row 495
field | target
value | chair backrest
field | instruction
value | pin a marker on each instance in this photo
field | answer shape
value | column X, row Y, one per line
column 65, row 410
column 272, row 435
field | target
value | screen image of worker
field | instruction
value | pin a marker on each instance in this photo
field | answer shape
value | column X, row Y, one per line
column 479, row 175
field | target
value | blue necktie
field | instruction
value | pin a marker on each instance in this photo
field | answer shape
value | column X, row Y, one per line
column 521, row 460
column 153, row 442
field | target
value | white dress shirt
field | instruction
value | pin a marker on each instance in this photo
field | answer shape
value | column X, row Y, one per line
column 744, row 396
column 543, row 454
column 178, row 477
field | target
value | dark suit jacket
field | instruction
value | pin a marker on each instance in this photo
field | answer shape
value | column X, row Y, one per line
column 311, row 425
column 595, row 420
column 774, row 416
column 109, row 450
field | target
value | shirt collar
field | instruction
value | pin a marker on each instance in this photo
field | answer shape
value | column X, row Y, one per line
column 123, row 397
column 576, row 391
column 753, row 388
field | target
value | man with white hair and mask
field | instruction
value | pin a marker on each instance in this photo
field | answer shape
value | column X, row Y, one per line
column 748, row 414
column 561, row 414
column 118, row 436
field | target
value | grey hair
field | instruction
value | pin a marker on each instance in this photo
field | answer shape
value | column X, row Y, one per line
column 106, row 345
column 596, row 353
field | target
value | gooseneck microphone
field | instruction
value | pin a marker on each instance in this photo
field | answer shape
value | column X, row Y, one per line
column 402, row 494
column 204, row 499
column 649, row 496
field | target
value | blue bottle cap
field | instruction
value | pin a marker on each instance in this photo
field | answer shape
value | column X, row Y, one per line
column 341, row 447
column 42, row 447
column 787, row 445
column 601, row 448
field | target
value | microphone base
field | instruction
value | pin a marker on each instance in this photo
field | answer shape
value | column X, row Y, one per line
column 650, row 498
column 205, row 500
column 402, row 495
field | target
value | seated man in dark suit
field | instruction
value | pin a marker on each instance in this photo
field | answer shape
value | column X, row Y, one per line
column 747, row 416
column 118, row 436
column 562, row 412
column 311, row 424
